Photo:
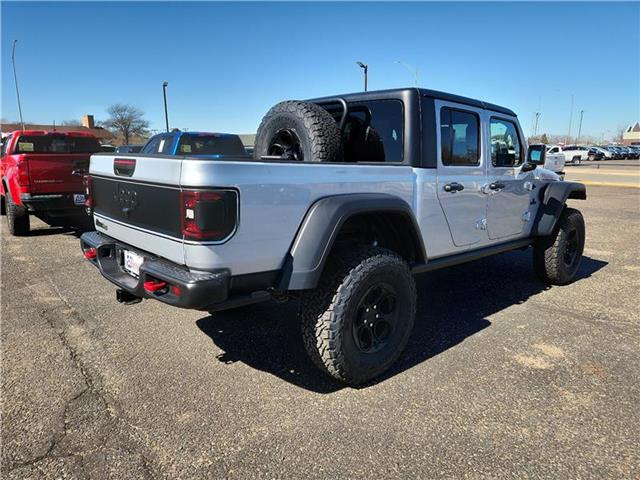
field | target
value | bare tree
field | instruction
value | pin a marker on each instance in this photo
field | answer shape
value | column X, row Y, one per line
column 620, row 133
column 126, row 120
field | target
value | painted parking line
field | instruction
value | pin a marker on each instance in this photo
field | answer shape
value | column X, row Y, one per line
column 608, row 184
column 608, row 172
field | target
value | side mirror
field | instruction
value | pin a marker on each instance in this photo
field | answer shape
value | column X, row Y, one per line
column 536, row 154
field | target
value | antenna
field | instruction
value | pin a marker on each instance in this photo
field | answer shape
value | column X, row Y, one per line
column 15, row 78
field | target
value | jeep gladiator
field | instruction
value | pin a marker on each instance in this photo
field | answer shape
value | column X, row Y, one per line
column 42, row 174
column 345, row 200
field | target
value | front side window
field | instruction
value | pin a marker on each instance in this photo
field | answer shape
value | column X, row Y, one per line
column 374, row 131
column 459, row 138
column 5, row 145
column 506, row 150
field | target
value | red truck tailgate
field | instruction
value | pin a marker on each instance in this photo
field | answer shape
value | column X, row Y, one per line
column 53, row 173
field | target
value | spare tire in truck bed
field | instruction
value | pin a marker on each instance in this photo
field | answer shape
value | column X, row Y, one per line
column 295, row 130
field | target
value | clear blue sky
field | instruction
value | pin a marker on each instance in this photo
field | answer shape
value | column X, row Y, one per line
column 228, row 63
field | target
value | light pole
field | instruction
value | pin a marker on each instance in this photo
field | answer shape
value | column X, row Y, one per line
column 580, row 127
column 366, row 71
column 164, row 94
column 413, row 70
column 15, row 78
column 570, row 120
column 535, row 127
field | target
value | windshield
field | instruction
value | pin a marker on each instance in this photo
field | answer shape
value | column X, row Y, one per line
column 210, row 145
column 56, row 144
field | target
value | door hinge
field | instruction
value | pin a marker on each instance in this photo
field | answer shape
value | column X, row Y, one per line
column 526, row 216
column 481, row 224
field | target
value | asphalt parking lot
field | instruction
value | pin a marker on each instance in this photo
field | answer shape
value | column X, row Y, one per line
column 503, row 377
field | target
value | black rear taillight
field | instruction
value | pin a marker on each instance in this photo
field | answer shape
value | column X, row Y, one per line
column 208, row 215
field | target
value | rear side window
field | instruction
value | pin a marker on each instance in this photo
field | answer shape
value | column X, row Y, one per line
column 506, row 150
column 152, row 145
column 374, row 131
column 459, row 138
column 166, row 144
column 56, row 144
column 211, row 145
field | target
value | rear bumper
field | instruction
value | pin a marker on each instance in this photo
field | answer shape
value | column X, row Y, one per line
column 57, row 204
column 185, row 289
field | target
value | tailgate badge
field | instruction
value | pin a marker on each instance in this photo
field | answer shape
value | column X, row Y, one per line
column 126, row 198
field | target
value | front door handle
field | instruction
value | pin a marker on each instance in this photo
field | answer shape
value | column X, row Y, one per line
column 496, row 186
column 453, row 187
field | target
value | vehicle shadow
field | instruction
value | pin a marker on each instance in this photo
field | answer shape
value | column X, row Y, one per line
column 73, row 227
column 453, row 304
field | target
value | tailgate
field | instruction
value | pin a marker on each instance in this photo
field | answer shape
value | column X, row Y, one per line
column 136, row 200
column 53, row 173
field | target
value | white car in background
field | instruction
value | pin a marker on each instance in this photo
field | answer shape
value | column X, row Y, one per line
column 606, row 154
column 573, row 154
column 554, row 162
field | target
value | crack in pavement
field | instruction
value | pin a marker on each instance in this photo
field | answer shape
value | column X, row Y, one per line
column 107, row 431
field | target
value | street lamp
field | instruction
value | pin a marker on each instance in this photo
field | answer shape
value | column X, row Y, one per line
column 580, row 127
column 411, row 69
column 366, row 70
column 164, row 94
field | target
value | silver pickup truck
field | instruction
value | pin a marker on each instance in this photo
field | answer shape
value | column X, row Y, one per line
column 344, row 200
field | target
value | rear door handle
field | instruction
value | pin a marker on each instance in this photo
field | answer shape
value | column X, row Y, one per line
column 496, row 186
column 453, row 187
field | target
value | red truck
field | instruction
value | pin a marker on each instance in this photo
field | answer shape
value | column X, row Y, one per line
column 42, row 174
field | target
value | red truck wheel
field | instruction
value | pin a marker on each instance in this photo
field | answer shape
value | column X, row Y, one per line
column 17, row 217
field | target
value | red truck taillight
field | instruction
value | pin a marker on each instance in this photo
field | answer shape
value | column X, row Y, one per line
column 88, row 184
column 23, row 173
column 208, row 215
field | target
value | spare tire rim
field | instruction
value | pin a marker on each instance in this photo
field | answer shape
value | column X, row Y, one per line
column 375, row 318
column 286, row 144
column 571, row 248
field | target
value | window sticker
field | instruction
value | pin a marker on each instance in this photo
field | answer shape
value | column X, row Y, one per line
column 185, row 148
column 161, row 147
column 25, row 146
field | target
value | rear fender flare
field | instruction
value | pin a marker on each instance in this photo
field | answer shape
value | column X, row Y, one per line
column 320, row 227
column 553, row 199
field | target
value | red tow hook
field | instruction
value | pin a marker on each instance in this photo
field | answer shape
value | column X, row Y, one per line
column 154, row 285
column 90, row 253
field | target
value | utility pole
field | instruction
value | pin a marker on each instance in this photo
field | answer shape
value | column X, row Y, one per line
column 580, row 127
column 570, row 120
column 411, row 69
column 15, row 78
column 535, row 127
column 164, row 94
column 366, row 71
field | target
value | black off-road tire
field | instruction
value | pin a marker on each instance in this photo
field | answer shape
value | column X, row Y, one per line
column 17, row 217
column 329, row 311
column 557, row 258
column 311, row 127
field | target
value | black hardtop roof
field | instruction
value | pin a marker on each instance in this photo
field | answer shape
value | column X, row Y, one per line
column 400, row 92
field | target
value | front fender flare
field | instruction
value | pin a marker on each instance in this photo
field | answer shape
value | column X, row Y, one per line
column 553, row 198
column 319, row 229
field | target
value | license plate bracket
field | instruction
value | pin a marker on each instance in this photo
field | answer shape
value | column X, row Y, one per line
column 79, row 198
column 131, row 262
